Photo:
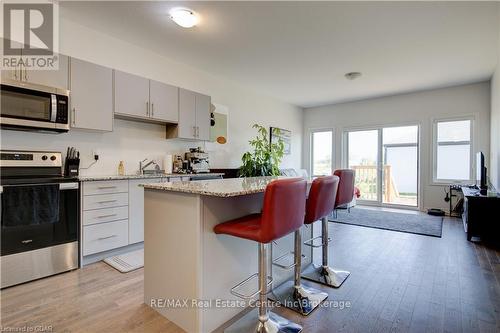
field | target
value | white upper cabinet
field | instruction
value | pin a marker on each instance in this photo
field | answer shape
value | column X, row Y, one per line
column 131, row 95
column 52, row 78
column 91, row 96
column 164, row 100
column 194, row 117
column 202, row 117
column 187, row 114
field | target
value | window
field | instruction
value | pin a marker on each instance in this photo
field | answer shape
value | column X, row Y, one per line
column 321, row 159
column 452, row 150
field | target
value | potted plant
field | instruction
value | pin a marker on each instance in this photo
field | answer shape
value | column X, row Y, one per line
column 266, row 156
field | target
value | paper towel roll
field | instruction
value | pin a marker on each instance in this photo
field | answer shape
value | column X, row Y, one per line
column 167, row 163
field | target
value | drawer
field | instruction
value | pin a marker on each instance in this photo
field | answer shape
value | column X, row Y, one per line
column 104, row 236
column 105, row 187
column 104, row 215
column 105, row 201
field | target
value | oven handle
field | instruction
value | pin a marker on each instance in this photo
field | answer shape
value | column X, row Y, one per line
column 53, row 114
column 68, row 186
column 62, row 186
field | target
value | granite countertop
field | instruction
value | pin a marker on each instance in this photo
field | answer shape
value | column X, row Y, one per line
column 136, row 176
column 231, row 187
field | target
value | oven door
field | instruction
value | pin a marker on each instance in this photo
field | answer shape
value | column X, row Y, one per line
column 35, row 107
column 36, row 216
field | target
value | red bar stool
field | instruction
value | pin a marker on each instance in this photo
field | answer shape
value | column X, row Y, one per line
column 345, row 193
column 320, row 204
column 282, row 213
column 292, row 294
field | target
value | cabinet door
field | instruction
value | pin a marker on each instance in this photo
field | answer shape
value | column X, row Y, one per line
column 52, row 78
column 131, row 95
column 187, row 114
column 203, row 117
column 91, row 96
column 14, row 73
column 136, row 208
column 164, row 100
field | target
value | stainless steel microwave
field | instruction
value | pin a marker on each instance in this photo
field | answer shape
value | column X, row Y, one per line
column 33, row 107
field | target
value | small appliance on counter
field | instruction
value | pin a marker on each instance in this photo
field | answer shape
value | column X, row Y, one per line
column 40, row 216
column 72, row 162
column 197, row 160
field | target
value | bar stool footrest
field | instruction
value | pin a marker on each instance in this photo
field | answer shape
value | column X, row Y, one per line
column 310, row 242
column 234, row 290
column 287, row 255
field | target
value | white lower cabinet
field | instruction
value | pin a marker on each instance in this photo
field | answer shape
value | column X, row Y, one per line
column 136, row 208
column 104, row 236
column 113, row 213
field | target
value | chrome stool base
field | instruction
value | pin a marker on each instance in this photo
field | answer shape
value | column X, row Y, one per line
column 325, row 275
column 302, row 299
column 249, row 323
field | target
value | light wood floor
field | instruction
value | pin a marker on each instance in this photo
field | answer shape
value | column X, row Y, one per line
column 399, row 283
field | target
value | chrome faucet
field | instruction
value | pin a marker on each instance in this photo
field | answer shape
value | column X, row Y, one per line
column 144, row 166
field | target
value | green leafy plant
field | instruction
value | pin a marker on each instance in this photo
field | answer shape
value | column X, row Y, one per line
column 266, row 156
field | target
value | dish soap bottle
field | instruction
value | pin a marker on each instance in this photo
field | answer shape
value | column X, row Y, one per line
column 121, row 169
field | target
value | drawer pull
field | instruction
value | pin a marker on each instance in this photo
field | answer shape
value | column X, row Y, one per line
column 103, row 216
column 107, row 237
column 105, row 187
column 26, row 241
column 106, row 201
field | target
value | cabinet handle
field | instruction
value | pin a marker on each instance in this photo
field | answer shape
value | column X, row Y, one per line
column 197, row 132
column 106, row 201
column 74, row 116
column 147, row 108
column 152, row 109
column 104, row 216
column 105, row 187
column 15, row 74
column 25, row 74
column 108, row 237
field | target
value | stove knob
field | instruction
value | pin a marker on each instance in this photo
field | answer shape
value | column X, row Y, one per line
column 53, row 157
column 44, row 157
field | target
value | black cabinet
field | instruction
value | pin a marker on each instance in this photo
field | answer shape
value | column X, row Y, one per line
column 480, row 215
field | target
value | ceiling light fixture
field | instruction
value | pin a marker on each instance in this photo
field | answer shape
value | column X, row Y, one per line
column 352, row 75
column 184, row 17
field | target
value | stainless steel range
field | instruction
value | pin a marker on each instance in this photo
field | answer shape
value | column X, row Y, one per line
column 39, row 217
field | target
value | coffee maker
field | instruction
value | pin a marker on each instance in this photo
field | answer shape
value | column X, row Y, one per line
column 198, row 160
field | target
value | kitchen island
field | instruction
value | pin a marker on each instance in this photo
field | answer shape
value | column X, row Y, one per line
column 188, row 269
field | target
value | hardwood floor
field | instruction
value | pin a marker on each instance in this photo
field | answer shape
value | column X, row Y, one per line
column 399, row 283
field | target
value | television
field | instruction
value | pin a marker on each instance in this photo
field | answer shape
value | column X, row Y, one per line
column 481, row 172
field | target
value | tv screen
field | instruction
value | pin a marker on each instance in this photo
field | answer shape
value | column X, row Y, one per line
column 480, row 170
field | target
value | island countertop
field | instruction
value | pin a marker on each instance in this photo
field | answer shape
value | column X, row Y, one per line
column 230, row 187
column 146, row 176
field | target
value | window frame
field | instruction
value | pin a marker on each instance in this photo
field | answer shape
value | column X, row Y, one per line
column 435, row 122
column 311, row 148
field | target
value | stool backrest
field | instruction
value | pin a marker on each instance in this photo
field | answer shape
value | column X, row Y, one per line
column 321, row 200
column 345, row 192
column 284, row 208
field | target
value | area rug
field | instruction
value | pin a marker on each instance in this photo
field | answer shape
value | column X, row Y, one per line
column 127, row 262
column 419, row 224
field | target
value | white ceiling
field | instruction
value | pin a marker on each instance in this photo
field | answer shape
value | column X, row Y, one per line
column 299, row 51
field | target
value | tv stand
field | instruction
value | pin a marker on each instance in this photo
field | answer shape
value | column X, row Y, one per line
column 480, row 215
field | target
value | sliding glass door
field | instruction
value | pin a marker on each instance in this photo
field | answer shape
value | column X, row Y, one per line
column 386, row 164
column 363, row 157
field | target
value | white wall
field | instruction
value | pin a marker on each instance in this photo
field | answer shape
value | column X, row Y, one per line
column 494, row 171
column 133, row 141
column 414, row 108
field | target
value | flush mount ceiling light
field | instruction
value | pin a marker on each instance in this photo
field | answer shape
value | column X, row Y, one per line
column 184, row 17
column 352, row 75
